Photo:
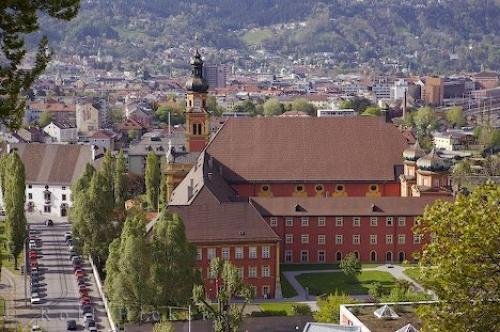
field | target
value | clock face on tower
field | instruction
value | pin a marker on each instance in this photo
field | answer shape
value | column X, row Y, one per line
column 197, row 103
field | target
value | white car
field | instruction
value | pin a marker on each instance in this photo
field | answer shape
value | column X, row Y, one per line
column 35, row 300
column 36, row 328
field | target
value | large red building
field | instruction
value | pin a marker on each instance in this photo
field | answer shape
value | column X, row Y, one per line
column 267, row 191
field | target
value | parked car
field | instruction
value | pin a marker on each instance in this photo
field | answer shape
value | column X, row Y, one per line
column 49, row 222
column 86, row 308
column 90, row 323
column 67, row 236
column 71, row 325
column 35, row 299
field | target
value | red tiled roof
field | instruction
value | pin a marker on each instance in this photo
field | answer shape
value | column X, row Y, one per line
column 344, row 206
column 208, row 221
column 308, row 149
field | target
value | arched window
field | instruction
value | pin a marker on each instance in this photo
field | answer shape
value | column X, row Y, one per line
column 195, row 129
column 388, row 256
column 401, row 256
column 199, row 128
column 338, row 256
column 373, row 256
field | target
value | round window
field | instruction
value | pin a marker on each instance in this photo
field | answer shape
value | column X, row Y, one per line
column 299, row 188
column 319, row 187
column 265, row 188
column 340, row 187
column 373, row 187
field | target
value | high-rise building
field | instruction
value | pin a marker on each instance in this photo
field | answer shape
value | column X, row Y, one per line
column 215, row 75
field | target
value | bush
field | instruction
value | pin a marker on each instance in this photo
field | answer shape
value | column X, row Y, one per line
column 376, row 291
column 299, row 309
column 268, row 313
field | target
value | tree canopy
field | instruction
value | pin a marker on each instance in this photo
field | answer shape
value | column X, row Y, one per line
column 226, row 315
column 152, row 179
column 455, row 116
column 272, row 107
column 329, row 308
column 350, row 265
column 461, row 263
column 17, row 19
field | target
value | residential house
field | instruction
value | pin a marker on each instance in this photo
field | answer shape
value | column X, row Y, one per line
column 62, row 132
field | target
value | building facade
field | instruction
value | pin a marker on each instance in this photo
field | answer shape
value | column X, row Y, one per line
column 50, row 170
column 62, row 132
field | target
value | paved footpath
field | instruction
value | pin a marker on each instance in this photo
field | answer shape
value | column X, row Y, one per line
column 302, row 296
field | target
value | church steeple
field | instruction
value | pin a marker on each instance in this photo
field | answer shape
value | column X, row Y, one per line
column 197, row 117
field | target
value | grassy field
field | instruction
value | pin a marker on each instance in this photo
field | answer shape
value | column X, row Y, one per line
column 284, row 308
column 256, row 37
column 286, row 289
column 413, row 273
column 310, row 267
column 331, row 282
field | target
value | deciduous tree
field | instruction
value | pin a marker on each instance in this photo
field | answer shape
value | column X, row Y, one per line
column 14, row 199
column 372, row 111
column 272, row 107
column 461, row 263
column 128, row 269
column 455, row 116
column 44, row 119
column 350, row 265
column 173, row 261
column 17, row 19
column 329, row 308
column 302, row 105
column 226, row 315
column 120, row 180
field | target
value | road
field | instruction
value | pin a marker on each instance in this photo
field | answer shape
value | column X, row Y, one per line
column 59, row 289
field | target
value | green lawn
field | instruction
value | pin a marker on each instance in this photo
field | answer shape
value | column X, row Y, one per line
column 331, row 282
column 286, row 289
column 277, row 307
column 414, row 273
column 309, row 267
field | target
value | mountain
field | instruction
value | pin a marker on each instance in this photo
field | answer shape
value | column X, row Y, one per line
column 425, row 35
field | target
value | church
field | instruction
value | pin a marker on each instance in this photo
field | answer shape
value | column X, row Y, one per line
column 271, row 191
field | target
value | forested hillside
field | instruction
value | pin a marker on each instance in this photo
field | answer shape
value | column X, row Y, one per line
column 427, row 35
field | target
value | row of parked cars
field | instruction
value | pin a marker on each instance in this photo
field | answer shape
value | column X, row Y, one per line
column 85, row 300
column 35, row 273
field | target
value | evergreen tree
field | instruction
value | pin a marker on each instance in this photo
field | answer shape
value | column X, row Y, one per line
column 173, row 261
column 17, row 19
column 83, row 182
column 120, row 180
column 163, row 192
column 152, row 179
column 15, row 198
column 226, row 315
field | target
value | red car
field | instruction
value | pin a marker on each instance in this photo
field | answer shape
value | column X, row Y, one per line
column 79, row 273
column 84, row 300
column 83, row 292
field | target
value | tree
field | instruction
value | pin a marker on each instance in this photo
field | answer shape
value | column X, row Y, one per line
column 350, row 265
column 44, row 119
column 455, row 116
column 152, row 180
column 173, row 261
column 213, row 107
column 272, row 107
column 17, row 19
column 302, row 105
column 14, row 199
column 329, row 308
column 92, row 221
column 107, row 170
column 461, row 263
column 372, row 111
column 376, row 290
column 246, row 106
column 358, row 104
column 120, row 180
column 226, row 315
column 425, row 121
column 128, row 269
